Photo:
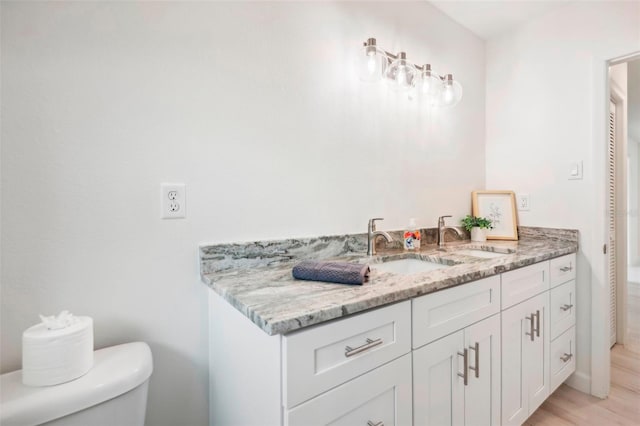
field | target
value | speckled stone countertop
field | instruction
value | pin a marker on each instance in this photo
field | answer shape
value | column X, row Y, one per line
column 256, row 277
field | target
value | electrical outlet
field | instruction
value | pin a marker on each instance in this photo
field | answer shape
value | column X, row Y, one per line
column 524, row 203
column 173, row 201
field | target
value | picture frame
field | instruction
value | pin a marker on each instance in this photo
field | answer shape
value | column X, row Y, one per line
column 500, row 207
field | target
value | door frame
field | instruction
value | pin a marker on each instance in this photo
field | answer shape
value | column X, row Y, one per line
column 600, row 353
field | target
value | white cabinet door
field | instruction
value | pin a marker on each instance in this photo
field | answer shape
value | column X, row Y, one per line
column 380, row 397
column 525, row 358
column 440, row 396
column 482, row 394
column 438, row 391
column 515, row 409
column 537, row 352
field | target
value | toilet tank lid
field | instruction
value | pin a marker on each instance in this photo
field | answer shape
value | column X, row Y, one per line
column 116, row 370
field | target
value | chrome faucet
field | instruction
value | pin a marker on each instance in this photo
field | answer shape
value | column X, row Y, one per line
column 442, row 229
column 372, row 234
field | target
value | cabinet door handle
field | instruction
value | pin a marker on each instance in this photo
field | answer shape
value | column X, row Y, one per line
column 566, row 307
column 370, row 423
column 531, row 319
column 349, row 351
column 465, row 361
column 537, row 323
column 566, row 268
column 566, row 357
column 476, row 349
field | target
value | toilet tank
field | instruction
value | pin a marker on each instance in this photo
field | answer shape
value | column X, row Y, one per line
column 114, row 391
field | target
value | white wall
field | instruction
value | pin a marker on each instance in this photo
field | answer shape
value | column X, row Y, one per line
column 254, row 106
column 541, row 84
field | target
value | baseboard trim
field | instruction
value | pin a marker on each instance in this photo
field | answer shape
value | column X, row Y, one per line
column 580, row 381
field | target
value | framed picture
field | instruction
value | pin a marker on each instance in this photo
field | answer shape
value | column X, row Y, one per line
column 500, row 207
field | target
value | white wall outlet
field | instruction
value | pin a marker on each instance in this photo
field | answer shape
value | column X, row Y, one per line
column 575, row 170
column 524, row 202
column 173, row 201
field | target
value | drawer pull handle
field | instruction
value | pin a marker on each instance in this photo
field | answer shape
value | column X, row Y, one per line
column 349, row 351
column 465, row 368
column 566, row 268
column 566, row 307
column 370, row 423
column 566, row 357
column 476, row 350
column 531, row 326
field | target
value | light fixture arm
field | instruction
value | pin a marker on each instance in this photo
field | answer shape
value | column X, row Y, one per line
column 371, row 42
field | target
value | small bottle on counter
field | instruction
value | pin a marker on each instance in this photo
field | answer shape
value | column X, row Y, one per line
column 412, row 236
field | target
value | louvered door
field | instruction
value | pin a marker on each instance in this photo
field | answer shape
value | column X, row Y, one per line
column 612, row 221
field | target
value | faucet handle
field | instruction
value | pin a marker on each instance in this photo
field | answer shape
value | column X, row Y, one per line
column 372, row 223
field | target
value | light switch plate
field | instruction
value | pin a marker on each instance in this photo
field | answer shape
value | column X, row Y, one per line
column 575, row 170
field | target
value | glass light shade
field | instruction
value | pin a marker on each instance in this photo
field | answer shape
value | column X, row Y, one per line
column 401, row 74
column 451, row 93
column 371, row 64
column 428, row 87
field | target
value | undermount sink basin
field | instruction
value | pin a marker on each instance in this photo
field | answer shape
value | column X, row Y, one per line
column 480, row 253
column 407, row 266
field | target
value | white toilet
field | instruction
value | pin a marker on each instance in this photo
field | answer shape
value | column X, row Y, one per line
column 113, row 392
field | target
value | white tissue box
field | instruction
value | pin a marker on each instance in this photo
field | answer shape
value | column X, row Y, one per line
column 51, row 357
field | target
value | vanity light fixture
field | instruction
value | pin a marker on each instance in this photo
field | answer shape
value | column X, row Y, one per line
column 421, row 82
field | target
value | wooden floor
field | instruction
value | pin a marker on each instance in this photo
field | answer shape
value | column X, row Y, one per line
column 567, row 406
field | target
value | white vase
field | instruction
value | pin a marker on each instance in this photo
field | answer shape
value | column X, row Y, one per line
column 478, row 234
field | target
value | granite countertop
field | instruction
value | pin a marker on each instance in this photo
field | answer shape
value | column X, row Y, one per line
column 256, row 277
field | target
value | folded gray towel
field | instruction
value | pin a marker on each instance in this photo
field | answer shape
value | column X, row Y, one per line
column 334, row 272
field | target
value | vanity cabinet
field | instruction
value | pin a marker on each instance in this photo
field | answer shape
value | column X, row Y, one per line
column 525, row 342
column 456, row 379
column 353, row 370
column 487, row 352
column 525, row 358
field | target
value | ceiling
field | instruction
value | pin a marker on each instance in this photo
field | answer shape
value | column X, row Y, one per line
column 489, row 19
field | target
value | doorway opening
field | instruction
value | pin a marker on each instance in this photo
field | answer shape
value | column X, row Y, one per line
column 623, row 164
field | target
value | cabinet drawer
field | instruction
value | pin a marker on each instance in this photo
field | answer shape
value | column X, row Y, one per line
column 563, row 360
column 563, row 310
column 322, row 357
column 562, row 269
column 524, row 283
column 438, row 314
column 382, row 396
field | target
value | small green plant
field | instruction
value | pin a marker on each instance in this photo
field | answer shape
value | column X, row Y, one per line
column 476, row 222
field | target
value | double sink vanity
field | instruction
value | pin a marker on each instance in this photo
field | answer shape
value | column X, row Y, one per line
column 465, row 334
